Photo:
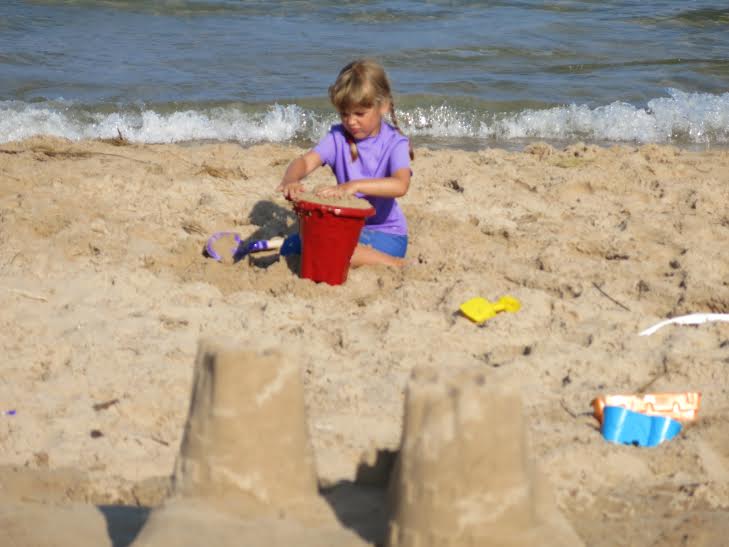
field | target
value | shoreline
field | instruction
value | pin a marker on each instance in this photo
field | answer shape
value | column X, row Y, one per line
column 104, row 273
column 464, row 144
column 432, row 144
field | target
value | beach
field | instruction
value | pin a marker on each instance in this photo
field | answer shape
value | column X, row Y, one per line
column 153, row 396
column 107, row 294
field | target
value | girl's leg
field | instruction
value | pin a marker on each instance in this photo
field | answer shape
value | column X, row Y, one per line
column 364, row 255
column 379, row 248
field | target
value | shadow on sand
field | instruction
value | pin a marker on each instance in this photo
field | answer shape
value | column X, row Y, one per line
column 272, row 220
column 362, row 505
column 124, row 522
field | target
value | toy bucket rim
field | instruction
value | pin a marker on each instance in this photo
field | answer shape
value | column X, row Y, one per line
column 303, row 205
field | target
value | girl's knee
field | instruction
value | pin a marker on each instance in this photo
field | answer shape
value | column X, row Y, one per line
column 364, row 255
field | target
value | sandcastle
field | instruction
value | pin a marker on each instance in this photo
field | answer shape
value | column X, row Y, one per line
column 245, row 473
column 464, row 476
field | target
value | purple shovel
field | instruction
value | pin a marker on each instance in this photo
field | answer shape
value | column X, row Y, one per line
column 228, row 245
column 222, row 244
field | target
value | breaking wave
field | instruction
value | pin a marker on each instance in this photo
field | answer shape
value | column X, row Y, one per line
column 680, row 118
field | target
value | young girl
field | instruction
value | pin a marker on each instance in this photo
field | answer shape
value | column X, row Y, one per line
column 370, row 158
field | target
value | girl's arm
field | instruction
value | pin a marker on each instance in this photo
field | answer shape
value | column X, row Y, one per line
column 390, row 187
column 298, row 169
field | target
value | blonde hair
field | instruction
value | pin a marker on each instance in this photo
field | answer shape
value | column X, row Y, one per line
column 363, row 83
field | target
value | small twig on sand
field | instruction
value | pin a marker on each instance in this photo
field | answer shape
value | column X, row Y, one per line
column 606, row 295
column 160, row 441
column 26, row 294
column 575, row 415
column 566, row 408
column 105, row 405
column 119, row 140
column 10, row 262
column 660, row 374
column 84, row 154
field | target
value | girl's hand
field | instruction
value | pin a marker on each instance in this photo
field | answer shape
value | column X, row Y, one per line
column 290, row 190
column 338, row 191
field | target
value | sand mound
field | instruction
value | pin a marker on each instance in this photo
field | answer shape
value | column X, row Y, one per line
column 465, row 474
column 245, row 472
column 350, row 202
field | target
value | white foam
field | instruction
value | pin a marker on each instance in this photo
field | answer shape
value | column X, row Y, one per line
column 693, row 118
column 277, row 124
column 683, row 117
column 439, row 121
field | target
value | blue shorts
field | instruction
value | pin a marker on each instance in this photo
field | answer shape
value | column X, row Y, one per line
column 391, row 244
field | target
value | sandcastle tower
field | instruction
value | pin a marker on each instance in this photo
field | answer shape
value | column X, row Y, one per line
column 464, row 476
column 245, row 473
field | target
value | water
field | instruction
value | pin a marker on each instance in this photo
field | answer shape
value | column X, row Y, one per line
column 465, row 73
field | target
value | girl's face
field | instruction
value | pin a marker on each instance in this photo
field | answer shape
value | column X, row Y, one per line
column 364, row 121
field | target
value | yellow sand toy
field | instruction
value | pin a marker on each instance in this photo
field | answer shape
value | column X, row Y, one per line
column 479, row 309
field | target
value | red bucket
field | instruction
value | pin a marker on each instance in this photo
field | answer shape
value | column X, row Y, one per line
column 329, row 235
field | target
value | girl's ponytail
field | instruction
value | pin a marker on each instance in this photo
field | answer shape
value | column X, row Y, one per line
column 352, row 146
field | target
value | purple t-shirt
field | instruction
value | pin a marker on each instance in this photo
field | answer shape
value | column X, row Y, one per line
column 379, row 157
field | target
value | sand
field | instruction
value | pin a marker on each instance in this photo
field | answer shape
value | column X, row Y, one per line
column 350, row 202
column 106, row 293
